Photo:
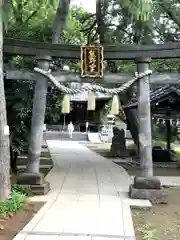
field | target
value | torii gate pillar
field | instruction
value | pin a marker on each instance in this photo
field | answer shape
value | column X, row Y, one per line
column 144, row 118
column 32, row 177
column 146, row 186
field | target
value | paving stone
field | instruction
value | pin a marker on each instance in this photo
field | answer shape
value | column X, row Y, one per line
column 75, row 238
column 127, row 221
column 43, row 237
column 108, row 238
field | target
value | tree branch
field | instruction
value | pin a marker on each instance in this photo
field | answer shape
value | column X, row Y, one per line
column 171, row 13
column 119, row 27
column 89, row 28
column 30, row 16
column 88, row 17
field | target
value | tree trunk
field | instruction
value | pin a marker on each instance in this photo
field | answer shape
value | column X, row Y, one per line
column 60, row 20
column 39, row 103
column 4, row 140
column 144, row 114
column 100, row 12
column 131, row 116
column 168, row 135
column 132, row 123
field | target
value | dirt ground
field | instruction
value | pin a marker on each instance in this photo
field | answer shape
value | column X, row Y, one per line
column 17, row 222
column 162, row 222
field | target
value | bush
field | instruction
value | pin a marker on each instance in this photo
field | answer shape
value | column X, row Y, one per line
column 12, row 205
column 22, row 189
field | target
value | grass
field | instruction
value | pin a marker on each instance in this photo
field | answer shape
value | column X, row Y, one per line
column 147, row 232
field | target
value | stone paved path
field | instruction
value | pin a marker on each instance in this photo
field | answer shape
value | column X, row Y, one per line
column 88, row 198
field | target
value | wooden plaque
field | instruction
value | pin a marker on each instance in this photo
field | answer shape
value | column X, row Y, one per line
column 92, row 61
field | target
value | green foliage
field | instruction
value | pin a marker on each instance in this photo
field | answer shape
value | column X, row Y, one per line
column 141, row 9
column 12, row 205
column 159, row 131
column 148, row 232
column 166, row 65
column 73, row 34
column 53, row 108
column 32, row 21
column 19, row 97
column 127, row 66
column 17, row 201
column 22, row 189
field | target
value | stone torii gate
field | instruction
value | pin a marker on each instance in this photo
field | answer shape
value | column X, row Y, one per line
column 143, row 187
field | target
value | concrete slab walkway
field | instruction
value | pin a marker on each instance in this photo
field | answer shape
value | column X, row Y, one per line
column 88, row 198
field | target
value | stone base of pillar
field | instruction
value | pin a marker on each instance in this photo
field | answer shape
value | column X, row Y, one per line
column 35, row 181
column 148, row 189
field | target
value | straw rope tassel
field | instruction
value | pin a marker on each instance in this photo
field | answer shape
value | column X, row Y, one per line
column 115, row 105
column 65, row 104
column 91, row 104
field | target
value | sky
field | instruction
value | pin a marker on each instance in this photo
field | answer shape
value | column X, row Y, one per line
column 89, row 5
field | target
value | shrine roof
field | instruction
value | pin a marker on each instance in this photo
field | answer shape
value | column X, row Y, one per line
column 158, row 95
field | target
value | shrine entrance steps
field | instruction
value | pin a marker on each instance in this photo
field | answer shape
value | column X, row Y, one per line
column 88, row 198
column 64, row 136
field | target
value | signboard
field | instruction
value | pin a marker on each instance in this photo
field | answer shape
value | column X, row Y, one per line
column 106, row 133
column 92, row 61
